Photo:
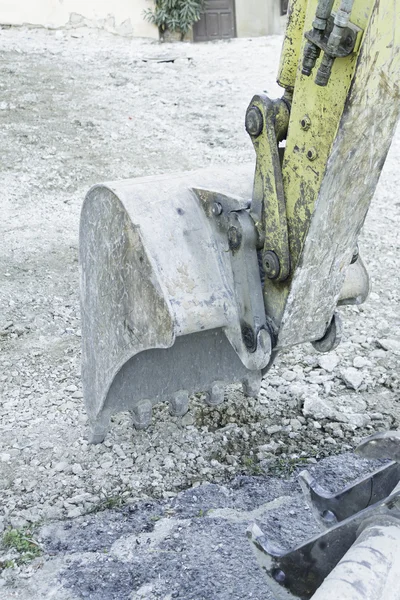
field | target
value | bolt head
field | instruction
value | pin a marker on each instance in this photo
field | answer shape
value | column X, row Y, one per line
column 349, row 41
column 216, row 209
column 329, row 517
column 271, row 264
column 264, row 341
column 279, row 576
column 312, row 154
column 254, row 121
column 305, row 122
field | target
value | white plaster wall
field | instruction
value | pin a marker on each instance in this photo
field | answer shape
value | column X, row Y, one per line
column 122, row 16
column 257, row 17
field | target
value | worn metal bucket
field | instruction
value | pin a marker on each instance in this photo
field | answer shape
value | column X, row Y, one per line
column 171, row 293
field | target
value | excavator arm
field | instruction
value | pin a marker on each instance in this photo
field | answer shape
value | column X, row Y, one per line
column 193, row 281
column 340, row 72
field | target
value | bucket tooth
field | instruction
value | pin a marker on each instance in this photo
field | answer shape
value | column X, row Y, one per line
column 99, row 429
column 216, row 394
column 141, row 414
column 251, row 385
column 179, row 404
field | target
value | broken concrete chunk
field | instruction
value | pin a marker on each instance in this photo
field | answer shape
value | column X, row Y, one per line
column 360, row 362
column 329, row 362
column 317, row 408
column 352, row 378
column 390, row 344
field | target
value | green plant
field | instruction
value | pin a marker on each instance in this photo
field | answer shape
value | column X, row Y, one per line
column 107, row 503
column 284, row 467
column 6, row 564
column 22, row 541
column 251, row 466
column 175, row 15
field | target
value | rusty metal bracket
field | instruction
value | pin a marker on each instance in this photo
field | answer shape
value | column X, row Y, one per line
column 266, row 123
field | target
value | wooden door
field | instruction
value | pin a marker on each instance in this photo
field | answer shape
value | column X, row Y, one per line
column 217, row 21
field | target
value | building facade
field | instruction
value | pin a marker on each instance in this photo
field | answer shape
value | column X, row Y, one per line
column 221, row 18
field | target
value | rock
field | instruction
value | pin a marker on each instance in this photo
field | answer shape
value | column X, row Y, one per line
column 118, row 451
column 352, row 378
column 289, row 375
column 376, row 416
column 268, row 393
column 17, row 522
column 273, row 429
column 318, row 379
column 45, row 445
column 32, row 515
column 106, row 464
column 360, row 362
column 188, row 420
column 169, row 462
column 391, row 344
column 61, row 466
column 317, row 408
column 78, row 499
column 268, row 448
column 295, row 424
column 71, row 388
column 378, row 353
column 298, row 389
column 329, row 362
column 358, row 420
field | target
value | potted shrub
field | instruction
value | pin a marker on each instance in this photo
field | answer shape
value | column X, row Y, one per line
column 174, row 18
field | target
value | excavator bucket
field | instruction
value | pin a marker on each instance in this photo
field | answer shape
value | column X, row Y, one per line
column 172, row 300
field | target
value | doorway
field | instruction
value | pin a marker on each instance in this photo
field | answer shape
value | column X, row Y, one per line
column 217, row 22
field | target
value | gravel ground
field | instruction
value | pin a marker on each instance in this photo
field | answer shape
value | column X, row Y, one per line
column 80, row 107
column 191, row 547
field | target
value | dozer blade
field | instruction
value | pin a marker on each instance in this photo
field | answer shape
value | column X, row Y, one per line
column 171, row 293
